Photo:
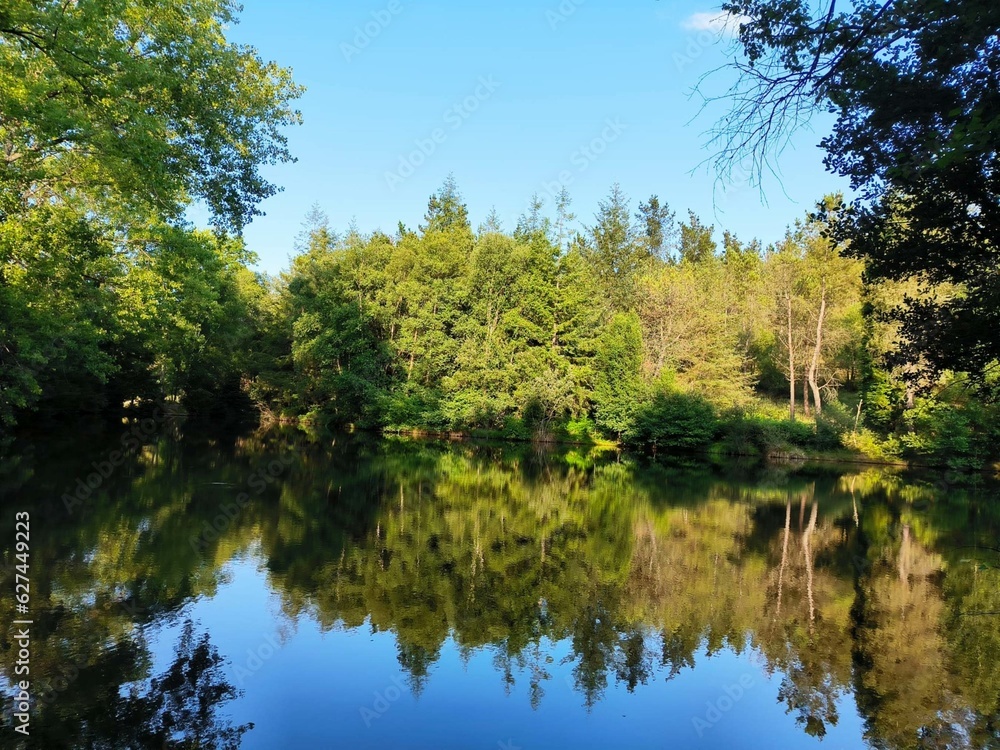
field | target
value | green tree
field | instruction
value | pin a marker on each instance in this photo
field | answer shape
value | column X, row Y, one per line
column 658, row 225
column 911, row 85
column 137, row 107
column 446, row 211
column 614, row 250
column 696, row 243
column 57, row 304
column 618, row 388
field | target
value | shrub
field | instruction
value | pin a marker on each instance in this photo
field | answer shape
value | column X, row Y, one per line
column 949, row 435
column 581, row 429
column 869, row 444
column 755, row 435
column 674, row 420
column 832, row 424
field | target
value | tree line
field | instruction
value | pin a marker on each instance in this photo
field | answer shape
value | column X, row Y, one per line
column 638, row 327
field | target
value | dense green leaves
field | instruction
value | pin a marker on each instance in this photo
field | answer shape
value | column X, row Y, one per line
column 137, row 106
column 913, row 86
column 114, row 116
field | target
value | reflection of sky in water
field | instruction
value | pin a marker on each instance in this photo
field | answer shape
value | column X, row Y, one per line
column 312, row 691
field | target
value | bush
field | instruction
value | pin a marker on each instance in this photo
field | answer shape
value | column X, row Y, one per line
column 763, row 436
column 831, row 425
column 674, row 421
column 871, row 445
column 415, row 407
column 581, row 429
column 949, row 435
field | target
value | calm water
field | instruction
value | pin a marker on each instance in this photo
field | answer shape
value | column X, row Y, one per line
column 276, row 590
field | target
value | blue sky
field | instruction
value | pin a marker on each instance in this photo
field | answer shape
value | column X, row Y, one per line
column 513, row 98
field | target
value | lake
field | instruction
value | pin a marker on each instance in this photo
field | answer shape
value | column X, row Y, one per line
column 212, row 588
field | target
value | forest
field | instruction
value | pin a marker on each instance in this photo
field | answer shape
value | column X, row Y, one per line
column 636, row 326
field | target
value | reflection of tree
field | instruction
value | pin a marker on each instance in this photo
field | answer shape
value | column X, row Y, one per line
column 175, row 710
column 838, row 585
column 111, row 702
column 903, row 684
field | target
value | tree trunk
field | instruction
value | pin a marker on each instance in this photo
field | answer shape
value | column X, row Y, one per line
column 784, row 554
column 791, row 364
column 807, row 553
column 805, row 394
column 814, row 365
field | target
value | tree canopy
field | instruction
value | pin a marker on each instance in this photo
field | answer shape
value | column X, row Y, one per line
column 137, row 106
column 913, row 87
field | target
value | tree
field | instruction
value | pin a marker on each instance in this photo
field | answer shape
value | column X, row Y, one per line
column 337, row 347
column 688, row 332
column 141, row 108
column 785, row 262
column 534, row 221
column 913, row 88
column 697, row 244
column 617, row 383
column 816, row 293
column 57, row 273
column 564, row 217
column 614, row 249
column 659, row 227
column 445, row 210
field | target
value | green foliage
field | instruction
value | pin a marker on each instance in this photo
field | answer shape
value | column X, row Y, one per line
column 615, row 251
column 910, row 85
column 883, row 400
column 674, row 421
column 618, row 389
column 658, row 225
column 949, row 434
column 696, row 242
column 88, row 323
column 57, row 273
column 114, row 117
column 138, row 107
column 832, row 424
column 870, row 444
column 748, row 434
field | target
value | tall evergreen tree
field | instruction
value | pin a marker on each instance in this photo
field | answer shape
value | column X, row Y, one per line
column 658, row 225
column 697, row 244
column 615, row 251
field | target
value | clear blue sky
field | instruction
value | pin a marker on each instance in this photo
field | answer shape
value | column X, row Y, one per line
column 554, row 80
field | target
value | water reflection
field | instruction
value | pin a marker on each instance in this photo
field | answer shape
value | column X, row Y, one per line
column 862, row 587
